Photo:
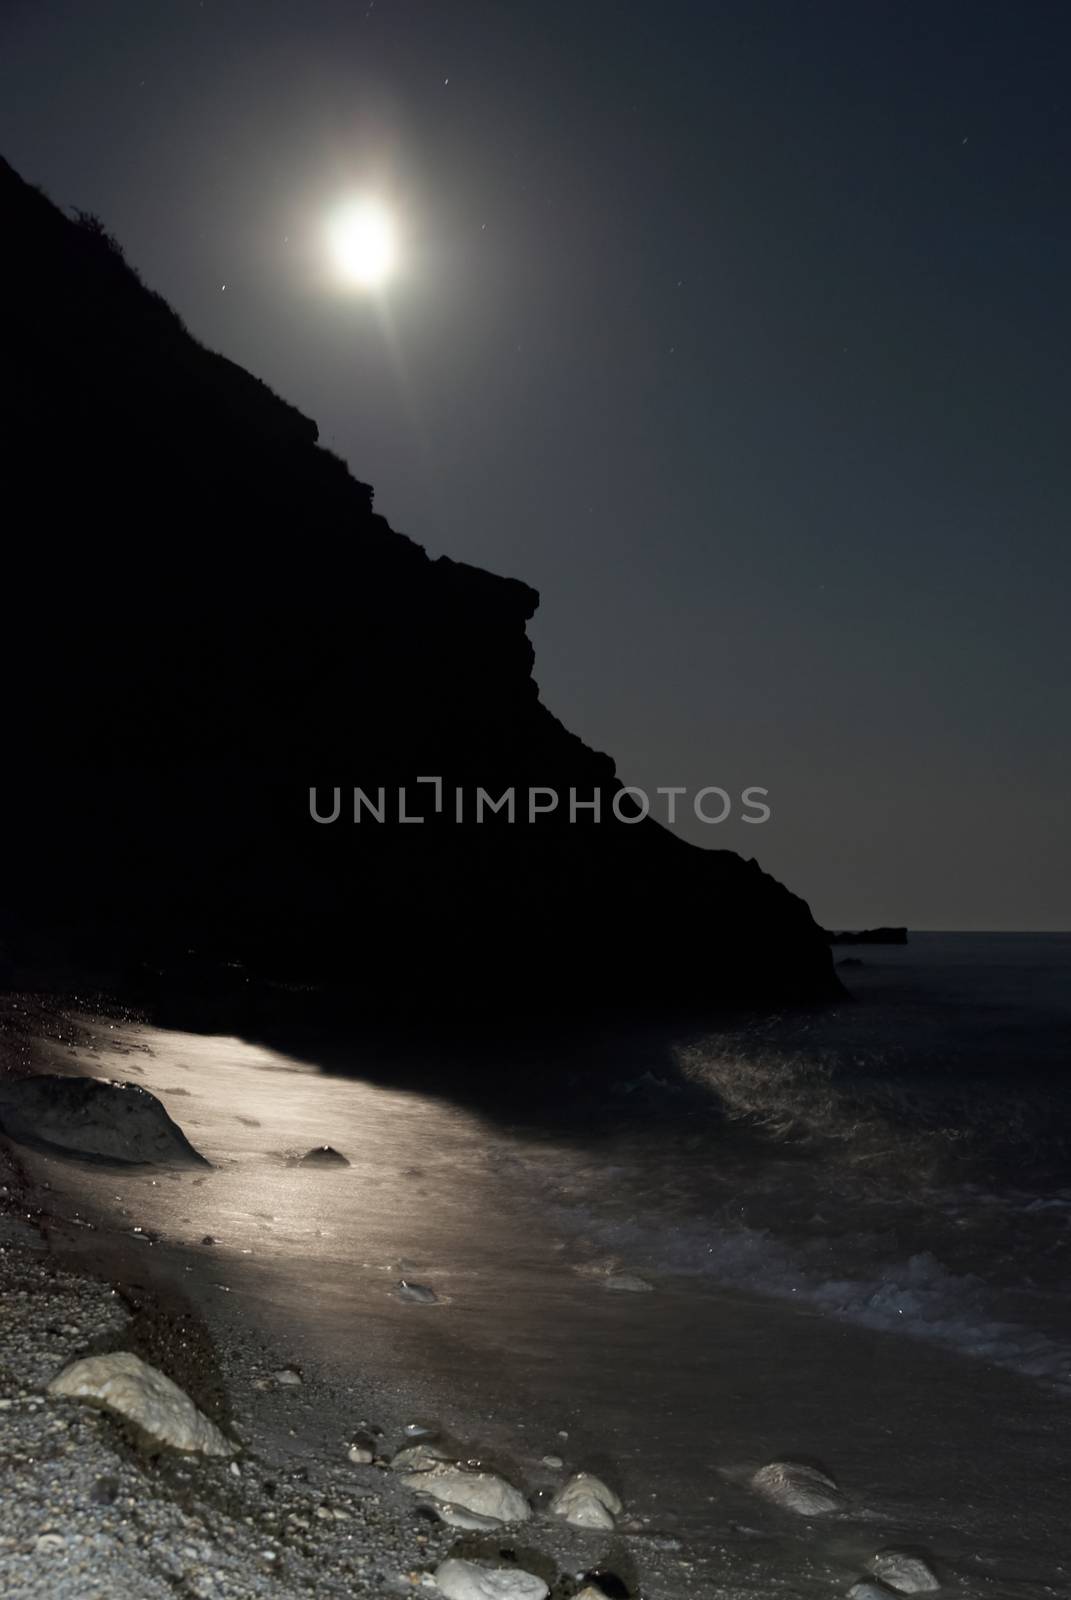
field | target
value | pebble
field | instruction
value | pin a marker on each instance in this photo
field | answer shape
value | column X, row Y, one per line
column 905, row 1571
column 586, row 1502
column 323, row 1156
column 601, row 1581
column 797, row 1487
column 49, row 1541
column 110, row 1530
column 486, row 1493
column 418, row 1293
column 420, row 1457
column 461, row 1517
column 465, row 1580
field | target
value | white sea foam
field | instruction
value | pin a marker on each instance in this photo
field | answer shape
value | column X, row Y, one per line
column 917, row 1295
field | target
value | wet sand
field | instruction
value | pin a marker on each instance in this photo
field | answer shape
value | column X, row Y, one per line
column 674, row 1396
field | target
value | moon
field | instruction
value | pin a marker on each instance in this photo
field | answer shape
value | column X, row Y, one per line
column 362, row 242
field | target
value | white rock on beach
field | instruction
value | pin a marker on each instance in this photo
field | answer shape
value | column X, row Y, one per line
column 464, row 1580
column 123, row 1383
column 483, row 1492
column 870, row 1591
column 808, row 1491
column 905, row 1572
column 586, row 1502
column 459, row 1517
column 420, row 1457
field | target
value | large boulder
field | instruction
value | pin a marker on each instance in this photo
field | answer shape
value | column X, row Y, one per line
column 93, row 1117
column 121, row 1382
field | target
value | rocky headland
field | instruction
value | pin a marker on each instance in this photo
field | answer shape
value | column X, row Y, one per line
column 209, row 620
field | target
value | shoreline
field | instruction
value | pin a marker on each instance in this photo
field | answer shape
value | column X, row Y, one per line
column 94, row 1513
column 776, row 1381
column 99, row 1514
column 291, row 1517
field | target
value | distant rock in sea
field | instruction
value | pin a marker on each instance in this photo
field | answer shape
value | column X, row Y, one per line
column 870, row 936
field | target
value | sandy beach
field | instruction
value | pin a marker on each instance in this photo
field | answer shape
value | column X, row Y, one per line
column 675, row 1396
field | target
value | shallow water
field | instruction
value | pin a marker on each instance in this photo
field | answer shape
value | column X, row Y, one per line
column 856, row 1224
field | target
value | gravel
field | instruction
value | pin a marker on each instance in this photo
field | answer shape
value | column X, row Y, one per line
column 86, row 1513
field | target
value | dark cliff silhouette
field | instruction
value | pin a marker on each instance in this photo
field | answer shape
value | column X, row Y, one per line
column 205, row 617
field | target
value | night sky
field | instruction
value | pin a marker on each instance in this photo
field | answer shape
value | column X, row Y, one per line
column 740, row 329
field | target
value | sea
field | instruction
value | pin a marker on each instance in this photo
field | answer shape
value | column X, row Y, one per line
column 901, row 1160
